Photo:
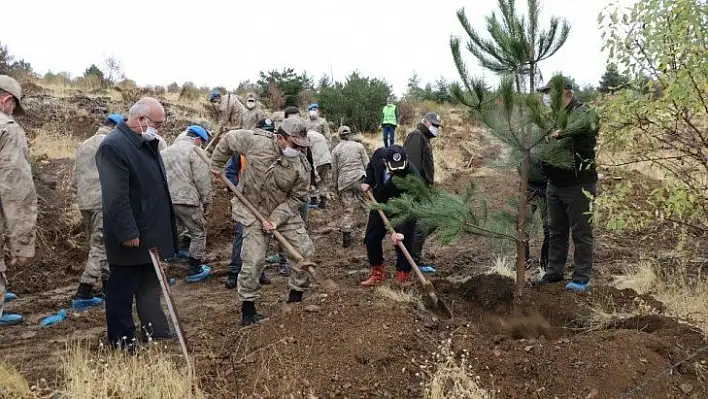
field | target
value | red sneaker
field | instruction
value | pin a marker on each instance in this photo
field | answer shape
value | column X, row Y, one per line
column 402, row 277
column 378, row 274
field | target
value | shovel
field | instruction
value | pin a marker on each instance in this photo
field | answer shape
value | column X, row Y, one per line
column 155, row 257
column 438, row 305
column 302, row 263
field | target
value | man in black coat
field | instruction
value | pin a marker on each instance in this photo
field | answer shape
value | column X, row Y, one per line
column 420, row 154
column 384, row 164
column 137, row 216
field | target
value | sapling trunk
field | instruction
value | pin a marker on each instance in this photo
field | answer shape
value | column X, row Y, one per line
column 521, row 223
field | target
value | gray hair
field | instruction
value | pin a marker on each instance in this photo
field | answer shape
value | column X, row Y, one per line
column 139, row 109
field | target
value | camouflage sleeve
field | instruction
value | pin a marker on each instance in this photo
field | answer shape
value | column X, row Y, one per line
column 233, row 142
column 17, row 192
column 161, row 144
column 74, row 180
column 364, row 157
column 326, row 132
column 296, row 197
column 201, row 176
column 335, row 168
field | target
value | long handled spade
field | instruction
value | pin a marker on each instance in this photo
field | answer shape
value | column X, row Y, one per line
column 302, row 263
column 438, row 305
column 155, row 257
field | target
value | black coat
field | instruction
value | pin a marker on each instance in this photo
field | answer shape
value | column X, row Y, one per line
column 375, row 174
column 136, row 199
column 420, row 153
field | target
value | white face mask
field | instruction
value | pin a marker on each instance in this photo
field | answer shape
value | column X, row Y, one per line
column 313, row 113
column 546, row 99
column 149, row 134
column 250, row 104
column 433, row 130
column 291, row 152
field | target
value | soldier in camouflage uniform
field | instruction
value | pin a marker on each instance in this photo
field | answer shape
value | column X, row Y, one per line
column 322, row 161
column 275, row 181
column 229, row 111
column 18, row 198
column 317, row 123
column 252, row 113
column 201, row 122
column 86, row 188
column 189, row 181
column 349, row 160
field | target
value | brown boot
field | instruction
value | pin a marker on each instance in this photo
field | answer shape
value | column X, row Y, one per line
column 378, row 274
column 402, row 277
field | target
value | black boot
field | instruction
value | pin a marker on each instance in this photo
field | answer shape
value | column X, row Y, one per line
column 264, row 280
column 294, row 296
column 249, row 315
column 195, row 266
column 84, row 291
column 323, row 202
column 231, row 280
column 347, row 239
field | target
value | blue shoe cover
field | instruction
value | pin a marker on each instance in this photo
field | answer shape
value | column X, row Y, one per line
column 10, row 319
column 195, row 278
column 577, row 287
column 172, row 281
column 427, row 269
column 82, row 304
column 274, row 259
column 9, row 297
column 181, row 256
column 53, row 319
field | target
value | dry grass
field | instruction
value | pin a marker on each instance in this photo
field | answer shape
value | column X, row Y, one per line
column 503, row 266
column 411, row 297
column 107, row 374
column 683, row 295
column 54, row 146
column 448, row 378
column 13, row 384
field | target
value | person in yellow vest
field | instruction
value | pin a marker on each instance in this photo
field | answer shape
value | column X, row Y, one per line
column 391, row 117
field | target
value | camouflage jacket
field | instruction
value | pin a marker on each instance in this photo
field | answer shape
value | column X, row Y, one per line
column 179, row 137
column 18, row 198
column 321, row 126
column 276, row 185
column 251, row 117
column 349, row 162
column 188, row 176
column 229, row 112
column 85, row 185
column 320, row 148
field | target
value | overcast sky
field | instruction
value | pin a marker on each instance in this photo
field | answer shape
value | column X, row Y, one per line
column 224, row 42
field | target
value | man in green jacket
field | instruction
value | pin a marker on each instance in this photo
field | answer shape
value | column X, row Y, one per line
column 390, row 120
column 567, row 196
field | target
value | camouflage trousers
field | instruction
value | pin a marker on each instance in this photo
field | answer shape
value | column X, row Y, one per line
column 3, row 285
column 353, row 201
column 322, row 188
column 191, row 223
column 96, row 269
column 253, row 254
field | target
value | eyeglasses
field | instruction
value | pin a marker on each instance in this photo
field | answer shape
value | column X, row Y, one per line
column 158, row 124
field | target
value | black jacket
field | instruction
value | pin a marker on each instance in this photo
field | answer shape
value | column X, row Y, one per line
column 582, row 146
column 420, row 153
column 375, row 174
column 136, row 199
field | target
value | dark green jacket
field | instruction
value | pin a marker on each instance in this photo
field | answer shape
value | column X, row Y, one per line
column 582, row 146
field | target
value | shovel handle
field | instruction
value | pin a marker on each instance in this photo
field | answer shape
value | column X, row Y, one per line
column 402, row 247
column 284, row 242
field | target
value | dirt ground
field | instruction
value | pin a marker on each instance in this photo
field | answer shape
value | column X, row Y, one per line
column 357, row 343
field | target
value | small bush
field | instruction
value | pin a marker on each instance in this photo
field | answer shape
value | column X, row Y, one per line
column 406, row 108
column 13, row 384
column 357, row 102
column 189, row 92
column 173, row 87
column 275, row 99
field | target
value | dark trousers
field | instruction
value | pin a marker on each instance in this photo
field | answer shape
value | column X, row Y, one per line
column 141, row 283
column 236, row 263
column 420, row 234
column 389, row 135
column 568, row 209
column 376, row 232
column 538, row 204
